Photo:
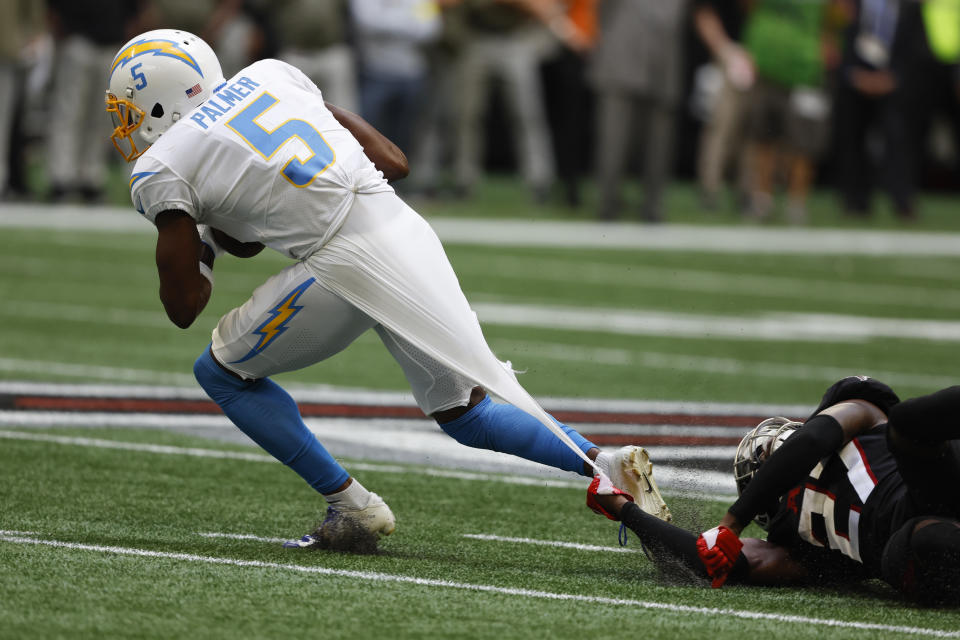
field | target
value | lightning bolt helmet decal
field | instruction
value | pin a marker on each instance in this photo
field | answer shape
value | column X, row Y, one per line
column 158, row 47
column 156, row 78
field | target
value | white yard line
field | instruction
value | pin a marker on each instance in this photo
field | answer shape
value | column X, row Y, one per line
column 190, row 389
column 705, row 485
column 80, row 313
column 94, row 372
column 136, row 446
column 472, row 536
column 673, row 237
column 732, row 366
column 371, row 576
column 557, row 233
column 747, row 282
column 156, row 388
column 548, row 543
column 772, row 326
column 240, row 536
column 176, row 384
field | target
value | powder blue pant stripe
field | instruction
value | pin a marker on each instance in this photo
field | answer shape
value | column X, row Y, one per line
column 271, row 418
column 505, row 428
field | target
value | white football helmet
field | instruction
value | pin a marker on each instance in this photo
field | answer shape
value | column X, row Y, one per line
column 155, row 79
column 755, row 448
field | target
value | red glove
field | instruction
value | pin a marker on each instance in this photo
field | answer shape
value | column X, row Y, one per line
column 601, row 486
column 719, row 549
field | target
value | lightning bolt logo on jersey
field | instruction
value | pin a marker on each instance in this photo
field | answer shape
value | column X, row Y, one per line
column 169, row 48
column 277, row 323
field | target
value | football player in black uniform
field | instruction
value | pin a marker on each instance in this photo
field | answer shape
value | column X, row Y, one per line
column 867, row 487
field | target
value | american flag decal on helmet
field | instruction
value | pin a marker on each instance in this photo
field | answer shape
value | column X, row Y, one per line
column 194, row 90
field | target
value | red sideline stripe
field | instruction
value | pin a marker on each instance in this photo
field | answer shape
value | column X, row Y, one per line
column 151, row 405
column 692, row 420
column 315, row 409
column 330, row 410
column 621, row 439
column 47, row 403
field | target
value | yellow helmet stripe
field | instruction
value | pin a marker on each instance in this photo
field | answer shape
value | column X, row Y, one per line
column 169, row 48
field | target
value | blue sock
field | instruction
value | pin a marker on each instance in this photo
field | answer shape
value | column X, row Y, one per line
column 267, row 413
column 505, row 428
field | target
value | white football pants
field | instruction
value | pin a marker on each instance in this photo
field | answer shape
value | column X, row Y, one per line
column 385, row 269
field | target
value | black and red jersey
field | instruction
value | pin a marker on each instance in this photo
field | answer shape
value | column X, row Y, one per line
column 842, row 515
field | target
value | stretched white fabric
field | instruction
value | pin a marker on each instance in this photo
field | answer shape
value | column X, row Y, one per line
column 388, row 262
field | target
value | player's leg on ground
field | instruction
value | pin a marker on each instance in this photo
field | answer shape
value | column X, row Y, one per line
column 465, row 412
column 922, row 560
column 270, row 417
column 669, row 546
column 290, row 322
column 505, row 428
column 924, row 437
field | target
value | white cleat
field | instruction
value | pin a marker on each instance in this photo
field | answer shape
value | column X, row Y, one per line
column 630, row 470
column 350, row 529
column 376, row 517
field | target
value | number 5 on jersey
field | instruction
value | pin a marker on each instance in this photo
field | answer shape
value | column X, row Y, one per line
column 267, row 143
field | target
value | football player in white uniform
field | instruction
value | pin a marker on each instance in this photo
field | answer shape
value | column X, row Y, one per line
column 261, row 160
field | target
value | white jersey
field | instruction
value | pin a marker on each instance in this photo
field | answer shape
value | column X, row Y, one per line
column 262, row 160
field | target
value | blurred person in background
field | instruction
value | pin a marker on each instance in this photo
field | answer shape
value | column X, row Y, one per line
column 196, row 16
column 719, row 24
column 870, row 131
column 506, row 40
column 21, row 23
column 313, row 36
column 569, row 99
column 636, row 72
column 789, row 42
column 88, row 34
column 927, row 57
column 391, row 38
column 435, row 142
column 235, row 28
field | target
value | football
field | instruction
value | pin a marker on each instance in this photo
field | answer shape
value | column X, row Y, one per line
column 236, row 248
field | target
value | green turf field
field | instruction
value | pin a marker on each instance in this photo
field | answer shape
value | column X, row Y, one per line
column 81, row 304
column 123, row 556
column 122, row 553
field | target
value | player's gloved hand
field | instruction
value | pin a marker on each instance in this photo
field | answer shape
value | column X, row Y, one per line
column 719, row 549
column 601, row 486
column 859, row 388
